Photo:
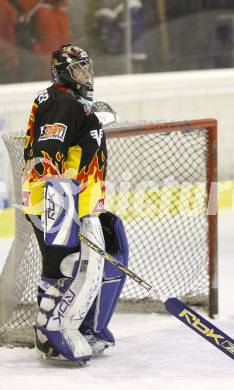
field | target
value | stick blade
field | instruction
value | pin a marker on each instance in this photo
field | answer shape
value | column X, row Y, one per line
column 200, row 325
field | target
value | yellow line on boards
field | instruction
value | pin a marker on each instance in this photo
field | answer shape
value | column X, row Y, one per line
column 7, row 223
column 225, row 201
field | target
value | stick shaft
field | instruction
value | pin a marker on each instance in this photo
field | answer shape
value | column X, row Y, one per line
column 115, row 262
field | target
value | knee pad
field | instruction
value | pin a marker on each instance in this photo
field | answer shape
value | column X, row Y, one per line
column 99, row 315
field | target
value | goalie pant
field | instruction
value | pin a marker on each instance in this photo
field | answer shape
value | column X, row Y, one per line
column 57, row 281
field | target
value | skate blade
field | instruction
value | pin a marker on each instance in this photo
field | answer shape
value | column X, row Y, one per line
column 62, row 362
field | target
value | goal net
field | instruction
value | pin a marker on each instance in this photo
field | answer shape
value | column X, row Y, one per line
column 162, row 183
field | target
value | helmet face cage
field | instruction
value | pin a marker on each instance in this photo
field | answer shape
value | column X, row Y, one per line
column 82, row 72
column 71, row 66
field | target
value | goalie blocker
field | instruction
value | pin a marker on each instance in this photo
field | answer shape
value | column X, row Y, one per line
column 75, row 310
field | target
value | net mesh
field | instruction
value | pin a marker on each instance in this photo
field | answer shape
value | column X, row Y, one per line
column 157, row 183
column 159, row 192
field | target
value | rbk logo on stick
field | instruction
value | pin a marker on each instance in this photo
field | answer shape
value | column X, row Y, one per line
column 197, row 324
column 201, row 326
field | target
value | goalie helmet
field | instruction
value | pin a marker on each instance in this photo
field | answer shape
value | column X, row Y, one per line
column 72, row 67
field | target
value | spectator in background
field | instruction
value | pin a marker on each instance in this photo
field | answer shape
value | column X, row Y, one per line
column 110, row 22
column 43, row 26
column 9, row 60
column 51, row 23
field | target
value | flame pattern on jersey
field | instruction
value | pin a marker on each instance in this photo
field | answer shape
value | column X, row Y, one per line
column 30, row 131
column 92, row 173
column 44, row 168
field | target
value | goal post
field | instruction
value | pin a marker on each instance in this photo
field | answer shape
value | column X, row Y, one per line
column 162, row 182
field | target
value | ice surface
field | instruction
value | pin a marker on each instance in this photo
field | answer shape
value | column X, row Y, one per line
column 152, row 351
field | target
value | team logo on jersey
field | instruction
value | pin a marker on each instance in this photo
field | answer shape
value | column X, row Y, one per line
column 55, row 131
column 97, row 135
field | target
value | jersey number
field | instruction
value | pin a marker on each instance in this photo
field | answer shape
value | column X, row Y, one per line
column 43, row 96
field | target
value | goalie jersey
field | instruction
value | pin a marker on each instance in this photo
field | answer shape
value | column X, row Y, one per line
column 64, row 138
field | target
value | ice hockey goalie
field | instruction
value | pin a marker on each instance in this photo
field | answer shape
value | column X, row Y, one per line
column 63, row 194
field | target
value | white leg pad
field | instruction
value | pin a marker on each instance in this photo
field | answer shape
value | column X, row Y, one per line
column 77, row 300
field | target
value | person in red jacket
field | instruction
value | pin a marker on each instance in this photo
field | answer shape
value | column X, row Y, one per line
column 47, row 21
column 9, row 60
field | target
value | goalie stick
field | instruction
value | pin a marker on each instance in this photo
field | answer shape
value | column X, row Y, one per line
column 173, row 305
column 177, row 308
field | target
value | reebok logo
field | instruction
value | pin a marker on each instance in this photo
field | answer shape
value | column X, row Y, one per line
column 202, row 328
column 97, row 135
